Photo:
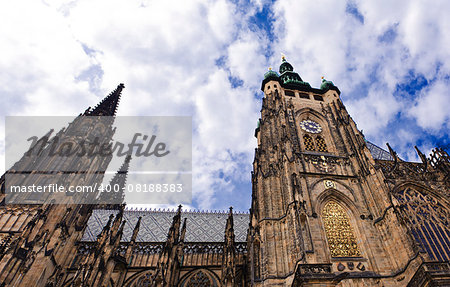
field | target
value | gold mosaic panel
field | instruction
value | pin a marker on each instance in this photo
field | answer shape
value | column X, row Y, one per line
column 341, row 239
column 308, row 141
column 321, row 145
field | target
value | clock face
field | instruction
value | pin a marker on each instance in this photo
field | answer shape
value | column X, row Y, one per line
column 311, row 126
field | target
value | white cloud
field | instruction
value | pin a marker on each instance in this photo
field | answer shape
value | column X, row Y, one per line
column 431, row 107
column 375, row 111
column 246, row 59
column 60, row 57
column 166, row 53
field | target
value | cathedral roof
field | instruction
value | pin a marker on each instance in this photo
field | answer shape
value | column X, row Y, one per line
column 377, row 152
column 200, row 226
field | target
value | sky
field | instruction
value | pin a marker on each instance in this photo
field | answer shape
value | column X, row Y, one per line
column 206, row 59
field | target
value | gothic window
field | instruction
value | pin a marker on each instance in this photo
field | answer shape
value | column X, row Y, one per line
column 199, row 279
column 340, row 236
column 321, row 145
column 308, row 141
column 428, row 221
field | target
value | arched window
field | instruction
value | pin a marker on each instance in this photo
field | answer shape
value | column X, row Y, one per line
column 428, row 220
column 321, row 145
column 340, row 236
column 308, row 141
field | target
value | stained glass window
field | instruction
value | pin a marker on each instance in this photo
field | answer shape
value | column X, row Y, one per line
column 341, row 239
column 321, row 145
column 308, row 141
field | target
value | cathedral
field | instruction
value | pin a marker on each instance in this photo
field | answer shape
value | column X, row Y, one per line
column 328, row 208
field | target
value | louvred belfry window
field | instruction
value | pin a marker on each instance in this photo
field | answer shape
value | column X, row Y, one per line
column 308, row 142
column 340, row 236
column 321, row 145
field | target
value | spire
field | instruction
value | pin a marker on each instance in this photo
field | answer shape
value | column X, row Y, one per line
column 229, row 257
column 229, row 228
column 108, row 106
column 117, row 183
column 176, row 224
column 101, row 235
column 117, row 220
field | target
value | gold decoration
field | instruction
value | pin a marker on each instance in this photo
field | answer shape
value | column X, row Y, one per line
column 341, row 239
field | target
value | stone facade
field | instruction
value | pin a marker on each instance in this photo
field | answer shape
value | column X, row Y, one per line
column 328, row 209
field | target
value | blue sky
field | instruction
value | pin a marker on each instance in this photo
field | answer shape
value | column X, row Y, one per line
column 207, row 58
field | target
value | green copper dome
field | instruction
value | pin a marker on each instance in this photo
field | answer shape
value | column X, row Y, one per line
column 270, row 73
column 326, row 84
column 285, row 66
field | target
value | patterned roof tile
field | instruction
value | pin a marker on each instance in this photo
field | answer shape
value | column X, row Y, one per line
column 200, row 226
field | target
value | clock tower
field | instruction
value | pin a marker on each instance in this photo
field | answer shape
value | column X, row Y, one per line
column 321, row 211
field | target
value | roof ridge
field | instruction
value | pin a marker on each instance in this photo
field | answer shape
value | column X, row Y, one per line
column 172, row 210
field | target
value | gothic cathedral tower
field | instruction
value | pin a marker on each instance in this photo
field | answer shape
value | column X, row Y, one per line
column 320, row 213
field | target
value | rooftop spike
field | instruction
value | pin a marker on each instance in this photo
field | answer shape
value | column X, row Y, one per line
column 423, row 158
column 392, row 152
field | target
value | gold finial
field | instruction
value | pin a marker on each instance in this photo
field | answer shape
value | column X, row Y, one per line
column 322, row 77
column 283, row 57
column 270, row 68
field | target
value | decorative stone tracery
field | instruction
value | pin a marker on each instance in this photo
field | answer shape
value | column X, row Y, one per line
column 200, row 278
column 428, row 221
